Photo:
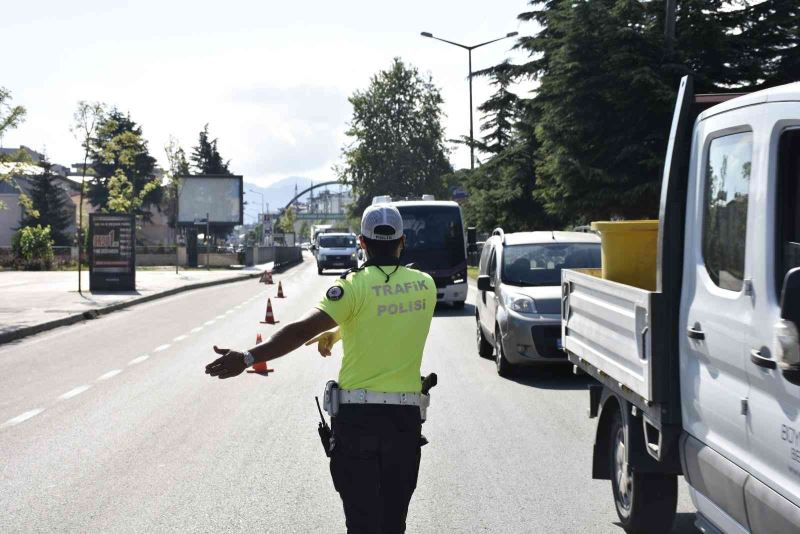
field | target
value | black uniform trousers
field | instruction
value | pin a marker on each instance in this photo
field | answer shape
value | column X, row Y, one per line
column 375, row 463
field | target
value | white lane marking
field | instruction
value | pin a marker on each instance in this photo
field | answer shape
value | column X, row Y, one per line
column 110, row 374
column 22, row 417
column 196, row 329
column 220, row 316
column 74, row 392
column 140, row 359
column 180, row 338
column 208, row 323
column 229, row 311
column 159, row 348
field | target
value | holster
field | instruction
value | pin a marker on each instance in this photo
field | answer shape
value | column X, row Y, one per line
column 330, row 399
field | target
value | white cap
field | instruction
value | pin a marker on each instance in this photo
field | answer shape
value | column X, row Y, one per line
column 381, row 215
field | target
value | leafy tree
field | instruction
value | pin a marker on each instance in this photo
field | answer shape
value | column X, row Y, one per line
column 177, row 166
column 10, row 117
column 206, row 158
column 33, row 246
column 286, row 221
column 398, row 143
column 304, row 230
column 124, row 169
column 49, row 206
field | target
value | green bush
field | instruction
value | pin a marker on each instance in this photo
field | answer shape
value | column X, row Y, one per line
column 33, row 247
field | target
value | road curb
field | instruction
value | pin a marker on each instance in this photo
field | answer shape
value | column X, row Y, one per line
column 95, row 313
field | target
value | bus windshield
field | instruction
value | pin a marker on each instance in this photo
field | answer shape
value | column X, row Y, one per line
column 434, row 236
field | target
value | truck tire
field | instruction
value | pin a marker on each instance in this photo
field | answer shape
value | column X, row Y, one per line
column 504, row 367
column 645, row 503
column 485, row 349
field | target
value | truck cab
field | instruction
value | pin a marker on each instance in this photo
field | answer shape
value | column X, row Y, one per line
column 700, row 377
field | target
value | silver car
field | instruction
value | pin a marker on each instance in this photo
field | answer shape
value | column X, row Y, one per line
column 518, row 307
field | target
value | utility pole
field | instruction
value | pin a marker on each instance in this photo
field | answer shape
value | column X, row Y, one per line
column 208, row 242
column 669, row 25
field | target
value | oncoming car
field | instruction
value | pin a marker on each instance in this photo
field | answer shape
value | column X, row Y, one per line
column 335, row 251
column 518, row 307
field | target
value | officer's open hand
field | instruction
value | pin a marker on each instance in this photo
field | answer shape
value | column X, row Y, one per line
column 325, row 341
column 230, row 364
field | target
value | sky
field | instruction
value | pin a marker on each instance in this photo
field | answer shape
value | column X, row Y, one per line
column 271, row 78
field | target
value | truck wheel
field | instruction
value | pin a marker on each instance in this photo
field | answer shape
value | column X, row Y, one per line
column 504, row 367
column 485, row 349
column 646, row 503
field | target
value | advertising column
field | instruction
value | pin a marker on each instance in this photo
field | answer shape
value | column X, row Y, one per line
column 112, row 252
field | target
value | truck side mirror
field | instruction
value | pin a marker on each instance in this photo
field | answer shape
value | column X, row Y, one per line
column 786, row 332
column 484, row 283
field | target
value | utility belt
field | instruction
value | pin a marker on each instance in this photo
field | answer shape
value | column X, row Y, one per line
column 334, row 397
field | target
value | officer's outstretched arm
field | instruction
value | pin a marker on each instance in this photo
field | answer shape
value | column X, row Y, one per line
column 282, row 342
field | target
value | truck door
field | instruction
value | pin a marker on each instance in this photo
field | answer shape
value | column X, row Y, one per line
column 773, row 494
column 716, row 299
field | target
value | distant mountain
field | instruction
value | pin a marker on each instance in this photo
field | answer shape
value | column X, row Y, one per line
column 276, row 195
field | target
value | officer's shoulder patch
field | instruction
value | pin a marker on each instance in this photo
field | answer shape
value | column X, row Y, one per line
column 334, row 293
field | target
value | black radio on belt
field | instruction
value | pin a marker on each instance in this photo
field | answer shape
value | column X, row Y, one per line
column 324, row 431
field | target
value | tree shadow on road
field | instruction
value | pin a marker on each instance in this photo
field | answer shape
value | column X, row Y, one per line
column 558, row 377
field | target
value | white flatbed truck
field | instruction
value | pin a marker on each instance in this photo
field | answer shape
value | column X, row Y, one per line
column 701, row 377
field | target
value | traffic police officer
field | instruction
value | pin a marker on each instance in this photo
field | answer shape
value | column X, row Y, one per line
column 383, row 311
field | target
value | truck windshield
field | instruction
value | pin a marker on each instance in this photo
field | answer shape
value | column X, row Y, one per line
column 337, row 241
column 434, row 236
column 541, row 264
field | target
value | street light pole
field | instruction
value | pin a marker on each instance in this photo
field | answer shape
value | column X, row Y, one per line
column 260, row 215
column 469, row 50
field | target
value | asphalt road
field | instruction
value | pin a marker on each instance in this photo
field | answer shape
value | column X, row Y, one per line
column 112, row 426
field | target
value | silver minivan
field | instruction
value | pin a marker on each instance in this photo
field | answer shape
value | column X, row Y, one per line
column 518, row 306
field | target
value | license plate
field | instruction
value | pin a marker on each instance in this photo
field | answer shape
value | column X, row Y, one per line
column 338, row 264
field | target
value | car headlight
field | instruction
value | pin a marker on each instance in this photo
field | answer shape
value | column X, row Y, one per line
column 353, row 256
column 521, row 304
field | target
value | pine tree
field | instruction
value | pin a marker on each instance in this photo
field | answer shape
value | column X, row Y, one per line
column 205, row 157
column 500, row 110
column 767, row 43
column 603, row 109
column 48, row 201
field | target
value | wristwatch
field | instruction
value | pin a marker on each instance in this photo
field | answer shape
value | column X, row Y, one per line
column 248, row 358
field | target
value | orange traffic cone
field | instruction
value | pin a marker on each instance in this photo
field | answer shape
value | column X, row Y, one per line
column 269, row 318
column 268, row 277
column 280, row 294
column 260, row 367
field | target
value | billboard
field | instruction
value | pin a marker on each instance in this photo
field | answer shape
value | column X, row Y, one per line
column 219, row 197
column 112, row 252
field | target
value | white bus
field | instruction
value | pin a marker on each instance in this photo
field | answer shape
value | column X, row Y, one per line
column 436, row 243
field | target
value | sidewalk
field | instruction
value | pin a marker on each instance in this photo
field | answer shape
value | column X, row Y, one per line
column 32, row 302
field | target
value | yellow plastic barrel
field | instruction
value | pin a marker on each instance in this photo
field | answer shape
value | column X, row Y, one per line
column 629, row 250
